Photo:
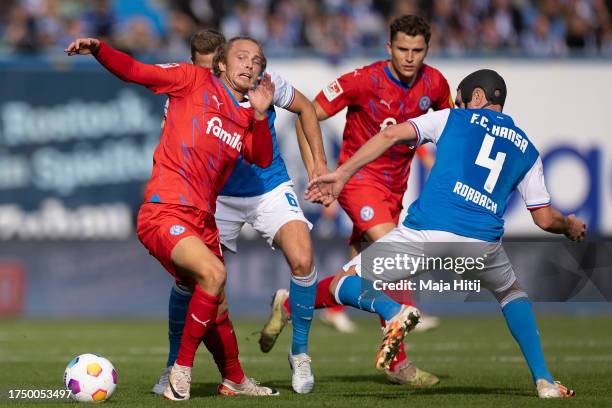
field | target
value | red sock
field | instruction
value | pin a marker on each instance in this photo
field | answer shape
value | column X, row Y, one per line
column 337, row 308
column 200, row 317
column 221, row 341
column 405, row 298
column 323, row 299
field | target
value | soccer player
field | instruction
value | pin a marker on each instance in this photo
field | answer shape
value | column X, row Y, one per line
column 482, row 157
column 264, row 198
column 378, row 95
column 206, row 130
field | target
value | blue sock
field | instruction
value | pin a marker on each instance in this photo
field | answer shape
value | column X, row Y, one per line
column 522, row 324
column 360, row 293
column 177, row 310
column 302, row 292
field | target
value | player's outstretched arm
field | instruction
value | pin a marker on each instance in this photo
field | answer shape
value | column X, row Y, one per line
column 308, row 134
column 376, row 146
column 166, row 78
column 327, row 188
column 551, row 220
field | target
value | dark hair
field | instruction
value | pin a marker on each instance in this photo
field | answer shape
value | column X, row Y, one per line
column 206, row 42
column 489, row 81
column 221, row 53
column 410, row 25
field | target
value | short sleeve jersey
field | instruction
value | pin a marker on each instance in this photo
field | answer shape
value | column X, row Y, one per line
column 482, row 157
column 376, row 99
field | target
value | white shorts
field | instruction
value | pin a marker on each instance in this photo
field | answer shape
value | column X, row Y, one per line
column 496, row 275
column 267, row 213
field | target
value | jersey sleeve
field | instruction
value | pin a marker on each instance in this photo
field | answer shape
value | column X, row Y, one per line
column 284, row 92
column 533, row 188
column 258, row 148
column 429, row 127
column 176, row 79
column 340, row 93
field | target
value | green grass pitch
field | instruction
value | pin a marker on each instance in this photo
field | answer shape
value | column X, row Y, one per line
column 477, row 360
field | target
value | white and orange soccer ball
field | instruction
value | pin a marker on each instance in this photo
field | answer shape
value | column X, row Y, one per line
column 90, row 378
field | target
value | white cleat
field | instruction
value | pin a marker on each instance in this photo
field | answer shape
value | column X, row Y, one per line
column 248, row 386
column 162, row 383
column 338, row 320
column 179, row 383
column 302, row 379
column 556, row 390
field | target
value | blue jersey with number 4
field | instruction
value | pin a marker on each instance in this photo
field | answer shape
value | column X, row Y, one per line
column 482, row 157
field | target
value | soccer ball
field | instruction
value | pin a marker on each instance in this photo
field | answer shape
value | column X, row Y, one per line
column 90, row 378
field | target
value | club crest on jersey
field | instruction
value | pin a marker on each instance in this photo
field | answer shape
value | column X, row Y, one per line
column 215, row 126
column 333, row 90
column 177, row 230
column 366, row 213
column 424, row 103
column 387, row 122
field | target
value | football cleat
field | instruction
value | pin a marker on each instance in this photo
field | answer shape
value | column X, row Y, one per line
column 393, row 335
column 179, row 383
column 302, row 379
column 409, row 374
column 339, row 320
column 162, row 383
column 555, row 390
column 276, row 323
column 248, row 386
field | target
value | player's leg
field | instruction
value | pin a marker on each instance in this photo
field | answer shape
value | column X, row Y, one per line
column 401, row 370
column 192, row 258
column 498, row 276
column 351, row 290
column 177, row 310
column 221, row 339
column 293, row 239
column 173, row 234
column 229, row 222
column 280, row 220
column 335, row 315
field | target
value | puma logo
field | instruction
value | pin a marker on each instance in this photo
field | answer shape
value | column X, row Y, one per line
column 199, row 321
column 387, row 104
column 218, row 103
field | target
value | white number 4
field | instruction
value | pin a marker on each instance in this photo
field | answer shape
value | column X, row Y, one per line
column 494, row 165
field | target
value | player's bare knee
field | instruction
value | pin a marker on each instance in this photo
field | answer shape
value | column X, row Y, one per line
column 301, row 263
column 211, row 275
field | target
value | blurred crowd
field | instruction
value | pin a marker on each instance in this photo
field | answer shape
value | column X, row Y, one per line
column 332, row 28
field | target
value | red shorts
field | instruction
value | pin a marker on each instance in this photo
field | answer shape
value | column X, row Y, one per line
column 368, row 203
column 161, row 226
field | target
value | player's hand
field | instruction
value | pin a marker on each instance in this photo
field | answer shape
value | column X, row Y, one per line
column 575, row 228
column 319, row 169
column 83, row 46
column 261, row 96
column 326, row 188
